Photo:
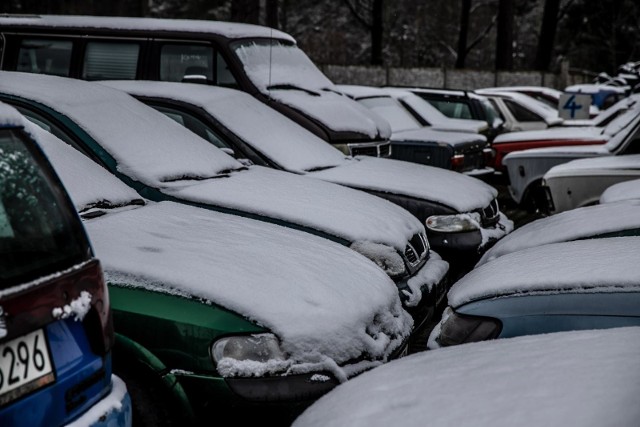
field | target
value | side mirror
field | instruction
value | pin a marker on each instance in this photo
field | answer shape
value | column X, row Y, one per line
column 229, row 151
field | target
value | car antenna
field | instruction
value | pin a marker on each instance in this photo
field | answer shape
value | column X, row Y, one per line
column 270, row 50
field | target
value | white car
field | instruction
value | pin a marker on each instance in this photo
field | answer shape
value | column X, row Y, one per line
column 210, row 306
column 521, row 112
column 629, row 190
column 526, row 168
column 581, row 182
column 163, row 161
column 585, row 378
column 236, row 122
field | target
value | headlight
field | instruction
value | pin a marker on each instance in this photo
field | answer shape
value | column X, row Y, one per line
column 344, row 148
column 386, row 257
column 460, row 329
column 259, row 348
column 453, row 223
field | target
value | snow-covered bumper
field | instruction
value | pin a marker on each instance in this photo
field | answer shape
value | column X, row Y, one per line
column 114, row 410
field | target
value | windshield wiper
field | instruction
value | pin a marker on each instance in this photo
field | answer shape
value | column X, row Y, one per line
column 97, row 209
column 288, row 86
column 225, row 173
column 319, row 168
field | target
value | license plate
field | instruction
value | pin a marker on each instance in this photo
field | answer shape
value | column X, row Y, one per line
column 25, row 365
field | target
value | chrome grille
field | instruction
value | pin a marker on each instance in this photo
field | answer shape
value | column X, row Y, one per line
column 371, row 150
column 417, row 249
column 375, row 149
column 490, row 214
column 384, row 150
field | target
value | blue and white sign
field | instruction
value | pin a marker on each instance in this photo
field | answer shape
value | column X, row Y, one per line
column 572, row 106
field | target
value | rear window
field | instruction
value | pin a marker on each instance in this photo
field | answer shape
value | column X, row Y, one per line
column 110, row 61
column 39, row 231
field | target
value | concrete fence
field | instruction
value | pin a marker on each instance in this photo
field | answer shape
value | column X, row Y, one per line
column 451, row 78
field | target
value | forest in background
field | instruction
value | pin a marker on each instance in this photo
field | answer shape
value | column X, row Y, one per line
column 595, row 36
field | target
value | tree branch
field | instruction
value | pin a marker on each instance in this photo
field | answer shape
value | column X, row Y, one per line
column 358, row 17
column 482, row 35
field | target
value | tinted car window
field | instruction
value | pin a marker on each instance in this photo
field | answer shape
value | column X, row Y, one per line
column 520, row 113
column 45, row 56
column 191, row 62
column 194, row 124
column 105, row 61
column 37, row 232
column 456, row 110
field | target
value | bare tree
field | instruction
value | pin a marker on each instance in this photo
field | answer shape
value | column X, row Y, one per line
column 547, row 34
column 504, row 38
column 370, row 14
column 247, row 11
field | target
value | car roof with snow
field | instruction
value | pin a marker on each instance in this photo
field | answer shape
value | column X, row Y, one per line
column 597, row 165
column 533, row 104
column 593, row 265
column 628, row 190
column 580, row 223
column 582, row 378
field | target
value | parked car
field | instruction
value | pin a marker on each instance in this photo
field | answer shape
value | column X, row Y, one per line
column 607, row 220
column 261, row 61
column 521, row 112
column 629, row 190
column 413, row 142
column 162, row 160
column 462, row 104
column 598, row 132
column 547, row 95
column 428, row 115
column 56, row 331
column 584, row 284
column 526, row 168
column 234, row 121
column 582, row 378
column 602, row 96
column 221, row 316
column 581, row 182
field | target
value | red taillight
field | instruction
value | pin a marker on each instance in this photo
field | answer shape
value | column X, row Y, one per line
column 489, row 154
column 457, row 161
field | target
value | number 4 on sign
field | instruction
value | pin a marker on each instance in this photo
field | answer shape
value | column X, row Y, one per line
column 574, row 106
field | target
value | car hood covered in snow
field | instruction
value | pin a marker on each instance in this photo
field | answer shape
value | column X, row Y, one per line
column 629, row 190
column 586, row 134
column 455, row 139
column 609, row 165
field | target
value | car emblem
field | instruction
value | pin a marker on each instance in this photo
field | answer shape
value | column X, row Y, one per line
column 3, row 324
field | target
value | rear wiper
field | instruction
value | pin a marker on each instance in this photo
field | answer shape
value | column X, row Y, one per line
column 288, row 86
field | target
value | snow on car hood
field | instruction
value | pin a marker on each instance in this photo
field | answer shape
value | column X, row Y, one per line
column 562, row 151
column 343, row 212
column 336, row 112
column 427, row 134
column 326, row 303
column 9, row 116
column 572, row 133
column 608, row 165
column 580, row 223
column 579, row 378
column 629, row 190
column 449, row 188
column 604, row 265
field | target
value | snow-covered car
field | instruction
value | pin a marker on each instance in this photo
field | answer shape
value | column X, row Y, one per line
column 580, row 378
column 573, row 132
column 463, row 104
column 264, row 62
column 234, row 121
column 590, row 222
column 56, row 328
column 582, row 182
column 430, row 116
column 602, row 96
column 583, row 284
column 629, row 190
column 527, row 168
column 215, row 312
column 521, row 112
column 548, row 95
column 162, row 160
column 411, row 141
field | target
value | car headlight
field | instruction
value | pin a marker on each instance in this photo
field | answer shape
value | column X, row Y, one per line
column 258, row 347
column 386, row 257
column 344, row 148
column 460, row 329
column 453, row 223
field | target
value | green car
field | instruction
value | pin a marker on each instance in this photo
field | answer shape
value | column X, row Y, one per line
column 216, row 312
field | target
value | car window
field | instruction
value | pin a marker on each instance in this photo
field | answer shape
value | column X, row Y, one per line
column 496, row 108
column 520, row 113
column 193, row 62
column 453, row 109
column 44, row 56
column 194, row 124
column 38, row 230
column 110, row 61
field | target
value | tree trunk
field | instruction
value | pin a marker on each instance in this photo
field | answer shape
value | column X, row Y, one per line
column 547, row 35
column 377, row 29
column 247, row 11
column 272, row 13
column 504, row 39
column 465, row 10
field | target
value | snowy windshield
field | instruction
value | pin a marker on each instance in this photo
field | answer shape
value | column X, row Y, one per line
column 278, row 63
column 393, row 112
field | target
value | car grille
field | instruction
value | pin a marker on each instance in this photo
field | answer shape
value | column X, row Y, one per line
column 490, row 215
column 417, row 249
column 382, row 149
column 473, row 160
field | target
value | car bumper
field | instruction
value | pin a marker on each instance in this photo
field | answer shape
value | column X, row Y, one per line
column 114, row 410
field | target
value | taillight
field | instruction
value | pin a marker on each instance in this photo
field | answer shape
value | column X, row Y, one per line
column 457, row 161
column 99, row 317
column 489, row 155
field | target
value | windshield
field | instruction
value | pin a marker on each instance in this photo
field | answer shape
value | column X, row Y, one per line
column 493, row 118
column 393, row 112
column 629, row 132
column 39, row 231
column 270, row 62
